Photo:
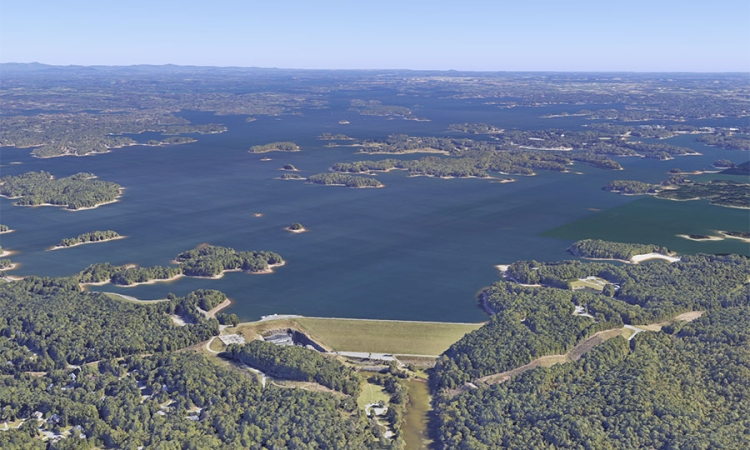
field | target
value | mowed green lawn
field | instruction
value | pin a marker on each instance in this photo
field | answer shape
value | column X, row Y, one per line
column 385, row 336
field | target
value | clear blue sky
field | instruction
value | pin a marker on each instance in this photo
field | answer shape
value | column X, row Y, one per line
column 604, row 35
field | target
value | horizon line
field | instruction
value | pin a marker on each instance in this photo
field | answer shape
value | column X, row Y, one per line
column 3, row 63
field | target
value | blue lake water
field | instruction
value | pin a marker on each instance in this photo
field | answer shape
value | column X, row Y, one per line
column 418, row 249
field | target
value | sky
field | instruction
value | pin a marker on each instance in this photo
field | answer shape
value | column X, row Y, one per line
column 482, row 35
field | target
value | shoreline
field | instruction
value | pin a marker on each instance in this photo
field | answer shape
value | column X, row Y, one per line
column 296, row 231
column 10, row 267
column 706, row 239
column 7, row 253
column 60, row 247
column 636, row 259
column 65, row 207
column 7, row 231
column 740, row 238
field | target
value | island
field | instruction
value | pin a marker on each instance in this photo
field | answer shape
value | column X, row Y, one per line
column 741, row 235
column 290, row 176
column 338, row 179
column 206, row 261
column 335, row 137
column 5, row 229
column 296, row 227
column 89, row 238
column 289, row 167
column 284, row 146
column 76, row 192
column 475, row 128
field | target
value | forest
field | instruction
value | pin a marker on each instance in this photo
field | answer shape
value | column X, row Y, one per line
column 81, row 190
column 52, row 135
column 530, row 322
column 296, row 363
column 596, row 248
column 175, row 400
column 275, row 147
column 683, row 388
column 93, row 236
column 338, row 179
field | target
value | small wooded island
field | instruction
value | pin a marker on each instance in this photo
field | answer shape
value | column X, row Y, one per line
column 339, row 179
column 284, row 146
column 205, row 261
column 289, row 167
column 89, row 238
column 296, row 227
column 291, row 176
column 4, row 228
column 76, row 192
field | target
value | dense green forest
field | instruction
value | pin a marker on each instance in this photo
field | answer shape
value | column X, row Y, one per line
column 275, row 147
column 93, row 236
column 595, row 248
column 291, row 176
column 77, row 191
column 718, row 192
column 529, row 322
column 631, row 187
column 175, row 400
column 296, row 363
column 50, row 323
column 338, row 179
column 684, row 388
column 4, row 262
column 211, row 260
column 204, row 261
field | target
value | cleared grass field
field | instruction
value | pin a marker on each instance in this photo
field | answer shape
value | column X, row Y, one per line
column 593, row 283
column 372, row 393
column 385, row 336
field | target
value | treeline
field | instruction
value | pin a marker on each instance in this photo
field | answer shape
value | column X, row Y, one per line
column 205, row 261
column 4, row 228
column 338, row 179
column 77, row 191
column 58, row 323
column 376, row 108
column 94, row 236
column 296, row 363
column 175, row 400
column 685, row 388
column 291, row 176
column 632, row 187
column 84, row 133
column 211, row 260
column 596, row 248
column 5, row 263
column 726, row 140
column 275, row 147
column 475, row 128
column 174, row 140
column 334, row 137
column 479, row 163
column 718, row 192
column 530, row 322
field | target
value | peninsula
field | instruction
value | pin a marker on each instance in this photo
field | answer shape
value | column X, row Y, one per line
column 76, row 192
column 89, row 238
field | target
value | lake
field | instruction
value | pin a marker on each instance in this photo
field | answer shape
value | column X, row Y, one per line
column 418, row 249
